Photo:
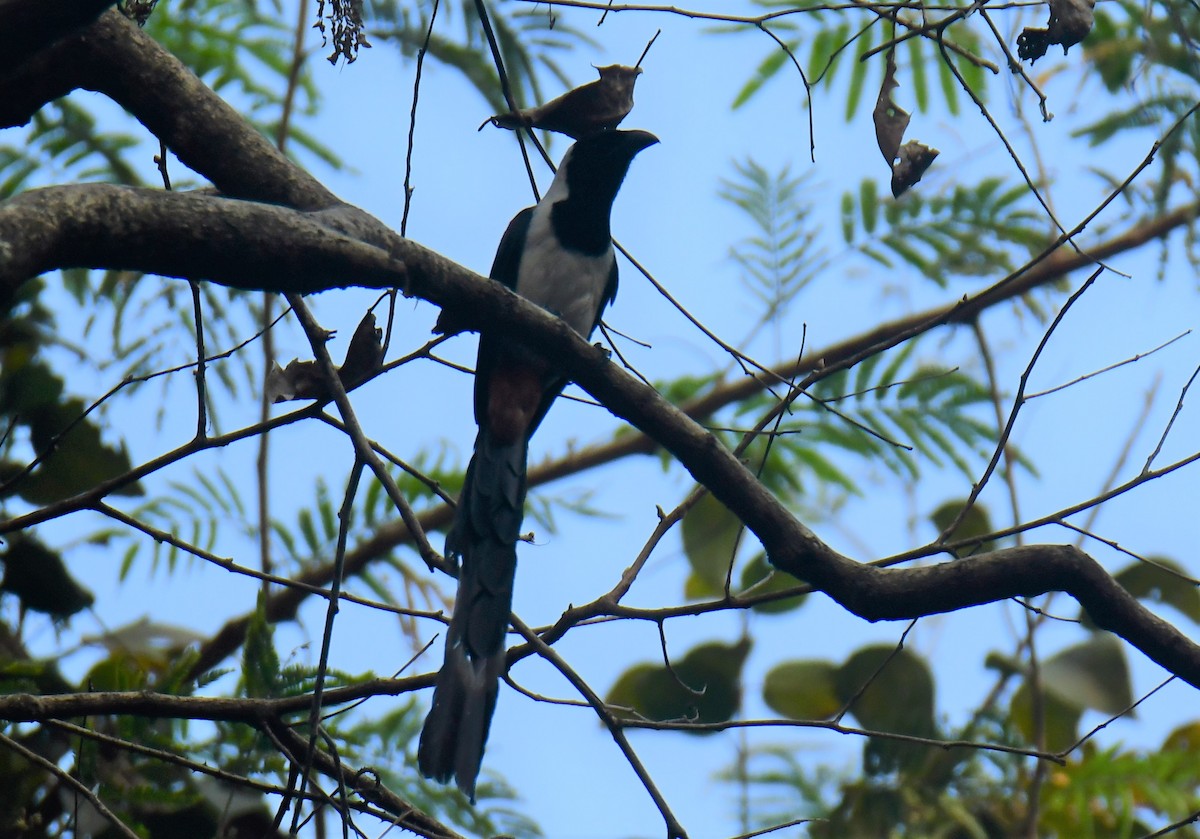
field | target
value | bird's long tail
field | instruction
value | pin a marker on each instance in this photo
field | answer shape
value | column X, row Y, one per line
column 486, row 527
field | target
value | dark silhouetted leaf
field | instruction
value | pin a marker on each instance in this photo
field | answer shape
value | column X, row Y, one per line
column 304, row 379
column 588, row 109
column 1070, row 22
column 915, row 159
column 710, row 691
column 894, row 690
column 40, row 579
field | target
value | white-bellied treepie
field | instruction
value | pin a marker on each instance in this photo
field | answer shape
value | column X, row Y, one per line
column 559, row 255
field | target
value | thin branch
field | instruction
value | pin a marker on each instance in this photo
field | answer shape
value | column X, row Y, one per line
column 1012, row 153
column 829, row 725
column 1132, row 359
column 201, row 383
column 69, row 780
column 674, row 828
column 339, row 564
column 848, row 705
column 412, row 121
column 1171, row 422
column 1015, row 66
column 1124, row 712
column 228, row 564
column 362, row 447
column 1018, row 403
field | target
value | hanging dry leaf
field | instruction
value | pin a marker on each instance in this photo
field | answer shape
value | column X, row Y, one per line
column 303, row 379
column 891, row 121
column 1070, row 22
column 915, row 158
column 364, row 356
column 589, row 109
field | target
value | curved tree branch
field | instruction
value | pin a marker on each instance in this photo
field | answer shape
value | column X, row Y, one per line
column 29, row 26
column 129, row 226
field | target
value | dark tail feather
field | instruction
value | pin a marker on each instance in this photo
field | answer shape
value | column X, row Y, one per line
column 484, row 539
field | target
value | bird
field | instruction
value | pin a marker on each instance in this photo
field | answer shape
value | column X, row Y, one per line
column 559, row 255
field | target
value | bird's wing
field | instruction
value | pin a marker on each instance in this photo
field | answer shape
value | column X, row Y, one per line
column 610, row 293
column 512, row 244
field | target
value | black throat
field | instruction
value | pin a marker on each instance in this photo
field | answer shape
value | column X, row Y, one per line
column 582, row 225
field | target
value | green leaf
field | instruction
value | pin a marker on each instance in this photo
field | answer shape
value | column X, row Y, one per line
column 260, row 662
column 803, row 690
column 949, row 83
column 1093, row 674
column 704, row 687
column 889, row 690
column 858, row 73
column 848, row 218
column 710, row 534
column 27, row 386
column 640, row 689
column 975, row 523
column 1186, row 738
column 118, row 672
column 920, row 79
column 896, row 690
column 75, row 459
column 868, row 197
column 766, row 69
column 1060, row 720
column 763, row 578
column 308, row 530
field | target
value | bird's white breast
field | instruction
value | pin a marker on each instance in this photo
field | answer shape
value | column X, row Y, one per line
column 566, row 283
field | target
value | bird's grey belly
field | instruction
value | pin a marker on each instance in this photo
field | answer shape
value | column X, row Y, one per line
column 568, row 284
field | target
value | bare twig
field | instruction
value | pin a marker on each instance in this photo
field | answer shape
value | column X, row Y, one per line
column 1171, row 422
column 674, row 828
column 66, row 778
column 1018, row 403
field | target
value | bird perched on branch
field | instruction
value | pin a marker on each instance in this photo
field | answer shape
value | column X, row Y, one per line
column 559, row 255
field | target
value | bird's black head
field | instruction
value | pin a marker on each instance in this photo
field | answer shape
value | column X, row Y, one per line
column 586, row 185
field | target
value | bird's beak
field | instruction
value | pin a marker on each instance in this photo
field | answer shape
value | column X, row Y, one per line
column 639, row 140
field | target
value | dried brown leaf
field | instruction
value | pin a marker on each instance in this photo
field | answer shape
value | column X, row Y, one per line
column 588, row 109
column 891, row 121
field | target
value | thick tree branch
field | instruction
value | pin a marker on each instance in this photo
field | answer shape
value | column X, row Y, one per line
column 25, row 707
column 32, row 25
column 869, row 592
column 116, row 58
column 129, row 227
column 367, row 785
column 194, row 236
column 264, row 714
